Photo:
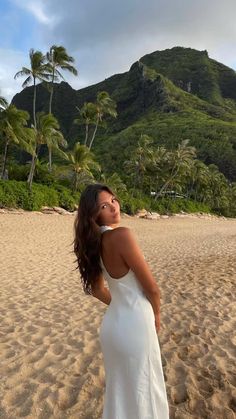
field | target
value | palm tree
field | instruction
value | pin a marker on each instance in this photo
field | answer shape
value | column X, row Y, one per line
column 140, row 161
column 53, row 137
column 115, row 183
column 87, row 116
column 159, row 169
column 179, row 164
column 38, row 70
column 82, row 161
column 47, row 132
column 198, row 179
column 58, row 58
column 104, row 106
column 3, row 103
column 13, row 128
column 219, row 188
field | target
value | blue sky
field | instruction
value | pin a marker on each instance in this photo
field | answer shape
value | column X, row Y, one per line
column 106, row 37
column 16, row 25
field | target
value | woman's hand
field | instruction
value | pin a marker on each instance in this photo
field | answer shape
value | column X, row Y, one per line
column 134, row 259
column 100, row 291
column 157, row 322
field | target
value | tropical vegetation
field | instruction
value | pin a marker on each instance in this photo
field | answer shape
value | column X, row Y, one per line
column 160, row 138
column 58, row 58
column 39, row 70
column 13, row 131
column 94, row 113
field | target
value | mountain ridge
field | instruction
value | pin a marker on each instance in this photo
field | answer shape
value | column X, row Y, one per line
column 178, row 88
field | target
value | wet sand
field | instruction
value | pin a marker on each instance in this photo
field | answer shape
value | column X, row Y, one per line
column 50, row 359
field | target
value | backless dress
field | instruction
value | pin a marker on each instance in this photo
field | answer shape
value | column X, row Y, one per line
column 135, row 386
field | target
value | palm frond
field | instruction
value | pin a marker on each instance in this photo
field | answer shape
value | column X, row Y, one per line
column 58, row 74
column 27, row 82
column 70, row 68
column 3, row 103
column 24, row 72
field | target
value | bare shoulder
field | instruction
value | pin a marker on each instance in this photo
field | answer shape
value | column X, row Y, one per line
column 122, row 232
column 123, row 236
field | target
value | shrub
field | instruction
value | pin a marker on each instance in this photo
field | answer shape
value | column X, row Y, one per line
column 40, row 196
column 131, row 204
column 18, row 172
column 16, row 194
column 172, row 206
column 67, row 198
column 13, row 194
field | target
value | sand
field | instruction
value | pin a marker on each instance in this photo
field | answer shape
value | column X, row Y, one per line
column 50, row 360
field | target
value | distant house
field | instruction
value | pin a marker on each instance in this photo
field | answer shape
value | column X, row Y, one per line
column 171, row 194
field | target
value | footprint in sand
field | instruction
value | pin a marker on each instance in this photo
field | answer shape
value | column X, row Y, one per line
column 36, row 355
column 183, row 352
column 83, row 364
column 45, row 377
column 57, row 348
column 179, row 393
column 177, row 337
column 204, row 387
column 67, row 397
column 232, row 404
column 194, row 329
column 43, row 394
column 18, row 395
column 44, row 411
column 177, row 375
column 9, row 353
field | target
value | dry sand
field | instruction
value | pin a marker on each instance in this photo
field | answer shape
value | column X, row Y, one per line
column 50, row 359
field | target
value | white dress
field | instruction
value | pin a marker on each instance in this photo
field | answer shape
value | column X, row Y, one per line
column 135, row 386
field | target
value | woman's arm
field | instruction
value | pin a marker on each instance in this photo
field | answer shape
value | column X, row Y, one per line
column 133, row 257
column 100, row 292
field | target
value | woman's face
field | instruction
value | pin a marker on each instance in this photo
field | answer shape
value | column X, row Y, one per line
column 109, row 209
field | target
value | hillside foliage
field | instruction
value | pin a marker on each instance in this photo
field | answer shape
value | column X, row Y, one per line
column 172, row 116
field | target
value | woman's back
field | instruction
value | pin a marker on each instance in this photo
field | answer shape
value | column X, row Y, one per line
column 110, row 253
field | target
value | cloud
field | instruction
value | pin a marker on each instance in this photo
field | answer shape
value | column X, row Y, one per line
column 36, row 8
column 13, row 61
column 106, row 37
column 85, row 24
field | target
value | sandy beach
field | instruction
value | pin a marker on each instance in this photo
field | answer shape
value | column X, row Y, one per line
column 50, row 359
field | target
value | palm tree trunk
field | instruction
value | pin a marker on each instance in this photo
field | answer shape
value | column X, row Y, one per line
column 94, row 133
column 86, row 134
column 31, row 173
column 34, row 104
column 32, row 167
column 166, row 184
column 190, row 191
column 75, row 182
column 50, row 159
column 51, row 92
column 4, row 160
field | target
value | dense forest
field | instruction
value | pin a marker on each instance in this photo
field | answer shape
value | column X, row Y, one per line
column 166, row 128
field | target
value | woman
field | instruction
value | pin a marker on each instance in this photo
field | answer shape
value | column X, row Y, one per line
column 135, row 387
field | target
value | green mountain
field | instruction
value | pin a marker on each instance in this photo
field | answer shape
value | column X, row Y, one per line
column 171, row 95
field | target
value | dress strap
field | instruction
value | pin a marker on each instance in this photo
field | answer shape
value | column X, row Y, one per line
column 105, row 228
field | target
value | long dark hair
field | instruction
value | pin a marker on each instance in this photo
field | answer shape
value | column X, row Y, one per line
column 87, row 242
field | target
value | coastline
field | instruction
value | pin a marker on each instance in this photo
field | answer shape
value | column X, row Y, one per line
column 143, row 214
